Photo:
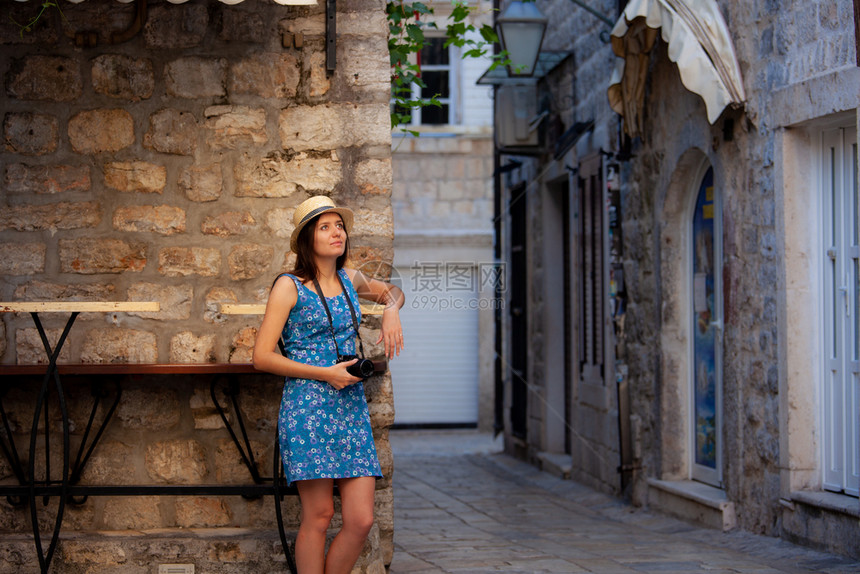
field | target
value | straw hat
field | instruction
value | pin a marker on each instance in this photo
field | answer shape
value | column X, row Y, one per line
column 310, row 208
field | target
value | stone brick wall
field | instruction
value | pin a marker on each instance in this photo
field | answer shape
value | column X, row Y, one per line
column 444, row 184
column 798, row 64
column 167, row 168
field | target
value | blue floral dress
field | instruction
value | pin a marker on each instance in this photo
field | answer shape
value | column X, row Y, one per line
column 323, row 432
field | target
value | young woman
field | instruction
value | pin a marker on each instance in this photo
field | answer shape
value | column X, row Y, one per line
column 323, row 424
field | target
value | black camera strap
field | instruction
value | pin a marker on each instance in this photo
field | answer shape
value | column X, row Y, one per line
column 331, row 321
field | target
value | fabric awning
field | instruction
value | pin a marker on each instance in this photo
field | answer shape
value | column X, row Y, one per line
column 698, row 42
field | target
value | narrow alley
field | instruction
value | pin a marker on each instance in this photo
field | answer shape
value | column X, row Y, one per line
column 462, row 506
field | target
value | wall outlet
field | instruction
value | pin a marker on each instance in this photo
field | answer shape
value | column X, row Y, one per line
column 176, row 569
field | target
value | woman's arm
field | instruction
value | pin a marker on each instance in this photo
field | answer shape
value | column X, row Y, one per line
column 385, row 294
column 267, row 356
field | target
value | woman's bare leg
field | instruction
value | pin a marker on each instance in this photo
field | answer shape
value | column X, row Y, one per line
column 317, row 511
column 356, row 497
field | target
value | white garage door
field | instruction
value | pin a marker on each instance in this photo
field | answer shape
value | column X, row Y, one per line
column 436, row 377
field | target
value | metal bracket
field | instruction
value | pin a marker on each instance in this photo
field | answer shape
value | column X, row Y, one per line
column 330, row 35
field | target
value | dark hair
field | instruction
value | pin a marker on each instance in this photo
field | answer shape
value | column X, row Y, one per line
column 306, row 266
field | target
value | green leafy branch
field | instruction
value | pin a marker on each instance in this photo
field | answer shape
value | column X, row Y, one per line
column 28, row 27
column 407, row 23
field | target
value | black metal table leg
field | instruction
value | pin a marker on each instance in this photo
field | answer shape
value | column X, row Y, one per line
column 245, row 452
column 81, row 460
column 10, row 452
column 51, row 373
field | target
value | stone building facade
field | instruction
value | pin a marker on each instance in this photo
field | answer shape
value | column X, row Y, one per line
column 166, row 167
column 443, row 212
column 617, row 303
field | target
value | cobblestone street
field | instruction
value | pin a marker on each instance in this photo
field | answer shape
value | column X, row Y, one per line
column 461, row 506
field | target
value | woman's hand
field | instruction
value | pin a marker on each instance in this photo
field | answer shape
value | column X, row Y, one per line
column 391, row 332
column 337, row 376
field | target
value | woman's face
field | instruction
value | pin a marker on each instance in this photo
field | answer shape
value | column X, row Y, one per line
column 329, row 236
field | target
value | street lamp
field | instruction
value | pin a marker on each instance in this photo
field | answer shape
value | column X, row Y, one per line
column 521, row 27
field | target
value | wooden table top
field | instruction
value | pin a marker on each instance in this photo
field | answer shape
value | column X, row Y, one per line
column 78, row 306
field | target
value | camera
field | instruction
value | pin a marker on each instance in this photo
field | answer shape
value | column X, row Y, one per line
column 362, row 369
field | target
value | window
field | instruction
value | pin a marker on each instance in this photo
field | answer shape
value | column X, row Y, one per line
column 593, row 269
column 439, row 73
column 841, row 244
column 706, row 378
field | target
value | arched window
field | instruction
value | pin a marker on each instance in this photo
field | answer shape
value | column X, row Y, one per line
column 707, row 328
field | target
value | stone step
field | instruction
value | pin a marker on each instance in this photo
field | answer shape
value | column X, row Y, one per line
column 556, row 464
column 692, row 501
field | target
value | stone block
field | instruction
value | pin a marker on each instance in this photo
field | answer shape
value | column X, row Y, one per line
column 279, row 221
column 374, row 177
column 260, row 402
column 29, row 349
column 186, row 347
column 175, row 300
column 379, row 389
column 242, row 346
column 102, row 467
column 308, row 26
column 184, row 261
column 104, row 555
column 30, row 133
column 126, row 513
column 51, row 216
column 123, row 77
column 160, row 219
column 363, row 70
column 195, row 77
column 88, row 256
column 119, row 346
column 331, row 126
column 96, row 131
column 279, row 176
column 172, row 131
column 239, row 26
column 169, row 26
column 231, row 127
column 47, row 179
column 176, row 461
column 45, row 78
column 202, row 511
column 22, row 258
column 202, row 183
column 228, row 223
column 318, row 82
column 248, row 261
column 384, row 509
column 267, row 75
column 135, row 176
column 231, row 552
column 205, row 414
column 214, row 298
column 42, row 291
column 381, row 414
column 149, row 409
column 229, row 467
column 374, row 223
column 372, row 261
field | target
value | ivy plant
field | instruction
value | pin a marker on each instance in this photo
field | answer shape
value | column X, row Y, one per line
column 407, row 22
